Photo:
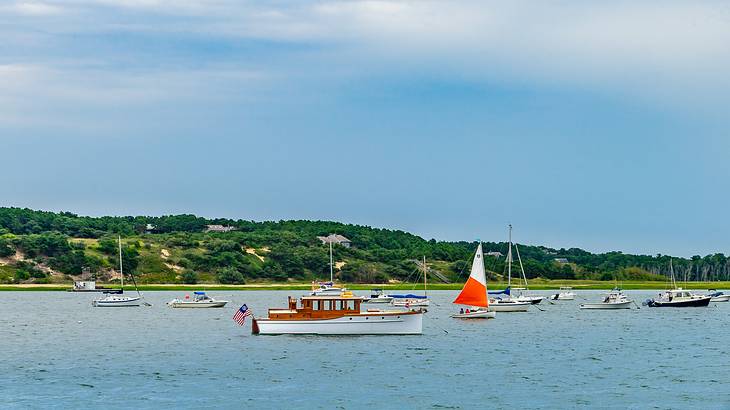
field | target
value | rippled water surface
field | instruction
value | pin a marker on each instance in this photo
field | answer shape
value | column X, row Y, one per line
column 58, row 351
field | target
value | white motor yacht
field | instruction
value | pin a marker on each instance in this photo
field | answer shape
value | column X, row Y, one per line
column 199, row 300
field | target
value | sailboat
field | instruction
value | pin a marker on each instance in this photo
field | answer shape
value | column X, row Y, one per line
column 328, row 288
column 474, row 292
column 678, row 297
column 522, row 295
column 411, row 300
column 508, row 303
column 118, row 300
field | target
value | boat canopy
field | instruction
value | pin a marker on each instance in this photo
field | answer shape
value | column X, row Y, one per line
column 409, row 296
column 197, row 292
column 500, row 292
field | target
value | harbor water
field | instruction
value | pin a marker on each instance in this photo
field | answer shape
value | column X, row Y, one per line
column 60, row 352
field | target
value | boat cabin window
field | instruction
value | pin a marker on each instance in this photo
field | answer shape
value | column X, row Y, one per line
column 327, row 305
column 315, row 305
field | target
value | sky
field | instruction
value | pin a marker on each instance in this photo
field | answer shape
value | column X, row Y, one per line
column 599, row 125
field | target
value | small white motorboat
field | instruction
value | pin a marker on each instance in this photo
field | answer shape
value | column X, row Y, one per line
column 566, row 293
column 613, row 300
column 719, row 297
column 378, row 296
column 199, row 300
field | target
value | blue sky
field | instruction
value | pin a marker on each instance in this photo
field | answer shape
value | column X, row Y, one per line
column 587, row 124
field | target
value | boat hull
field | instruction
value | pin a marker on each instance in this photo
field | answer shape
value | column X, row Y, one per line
column 199, row 305
column 382, row 323
column 410, row 302
column 480, row 314
column 699, row 302
column 126, row 302
column 378, row 300
column 531, row 299
column 509, row 307
column 607, row 306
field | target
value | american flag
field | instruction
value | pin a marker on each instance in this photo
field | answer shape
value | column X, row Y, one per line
column 241, row 313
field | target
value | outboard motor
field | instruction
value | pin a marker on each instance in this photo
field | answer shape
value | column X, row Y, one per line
column 647, row 302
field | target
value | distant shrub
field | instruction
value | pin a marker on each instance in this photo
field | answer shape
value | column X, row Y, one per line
column 230, row 276
column 190, row 277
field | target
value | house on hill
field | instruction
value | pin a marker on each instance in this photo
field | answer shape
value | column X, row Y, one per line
column 561, row 261
column 335, row 239
column 494, row 253
column 219, row 228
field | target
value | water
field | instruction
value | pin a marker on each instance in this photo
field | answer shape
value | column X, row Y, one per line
column 58, row 351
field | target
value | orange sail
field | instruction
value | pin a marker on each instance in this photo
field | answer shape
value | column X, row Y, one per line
column 474, row 292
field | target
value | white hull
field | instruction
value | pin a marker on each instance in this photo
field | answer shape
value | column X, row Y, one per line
column 616, row 305
column 379, row 300
column 364, row 324
column 480, row 314
column 721, row 298
column 509, row 307
column 564, row 297
column 531, row 299
column 118, row 302
column 411, row 302
column 189, row 305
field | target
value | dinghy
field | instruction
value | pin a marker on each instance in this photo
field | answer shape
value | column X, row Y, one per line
column 474, row 292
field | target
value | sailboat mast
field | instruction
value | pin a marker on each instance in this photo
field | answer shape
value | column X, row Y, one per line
column 522, row 268
column 332, row 269
column 509, row 259
column 425, row 274
column 121, row 269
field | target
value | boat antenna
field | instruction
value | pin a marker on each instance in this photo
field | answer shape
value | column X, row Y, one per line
column 671, row 271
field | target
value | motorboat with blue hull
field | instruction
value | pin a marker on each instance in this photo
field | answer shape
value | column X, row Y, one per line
column 678, row 298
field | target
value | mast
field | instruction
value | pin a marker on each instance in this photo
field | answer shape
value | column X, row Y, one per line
column 522, row 268
column 332, row 269
column 509, row 258
column 121, row 269
column 671, row 270
column 425, row 274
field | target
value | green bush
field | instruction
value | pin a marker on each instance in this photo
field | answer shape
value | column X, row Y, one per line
column 230, row 276
column 190, row 277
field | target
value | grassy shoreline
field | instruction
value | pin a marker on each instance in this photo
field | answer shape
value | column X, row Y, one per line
column 535, row 285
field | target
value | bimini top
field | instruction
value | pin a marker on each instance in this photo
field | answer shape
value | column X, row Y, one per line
column 409, row 296
column 197, row 292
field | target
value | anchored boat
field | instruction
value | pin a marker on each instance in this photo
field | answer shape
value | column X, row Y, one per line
column 719, row 296
column 328, row 288
column 411, row 300
column 115, row 299
column 678, row 297
column 474, row 292
column 613, row 300
column 508, row 303
column 199, row 300
column 565, row 293
column 378, row 296
column 337, row 315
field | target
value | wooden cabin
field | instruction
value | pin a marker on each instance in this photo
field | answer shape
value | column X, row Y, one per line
column 318, row 307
